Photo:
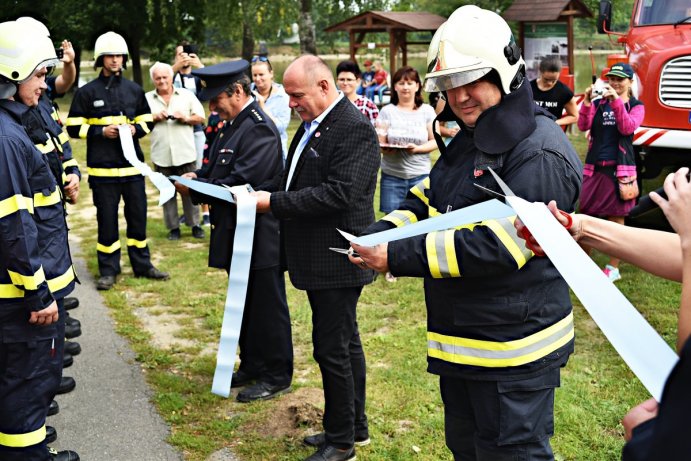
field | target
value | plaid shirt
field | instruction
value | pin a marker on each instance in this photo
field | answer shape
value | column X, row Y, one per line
column 367, row 107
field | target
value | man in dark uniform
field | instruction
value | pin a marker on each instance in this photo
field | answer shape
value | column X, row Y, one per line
column 499, row 322
column 97, row 110
column 37, row 269
column 248, row 150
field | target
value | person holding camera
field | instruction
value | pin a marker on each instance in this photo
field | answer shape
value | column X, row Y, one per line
column 175, row 112
column 612, row 114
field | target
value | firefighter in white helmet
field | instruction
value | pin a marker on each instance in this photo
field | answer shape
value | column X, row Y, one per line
column 33, row 236
column 500, row 322
column 98, row 108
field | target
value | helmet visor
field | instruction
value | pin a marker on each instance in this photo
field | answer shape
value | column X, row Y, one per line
column 49, row 64
column 449, row 81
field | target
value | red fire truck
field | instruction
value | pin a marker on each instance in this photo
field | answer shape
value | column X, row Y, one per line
column 658, row 47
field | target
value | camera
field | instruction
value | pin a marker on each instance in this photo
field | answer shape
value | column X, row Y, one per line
column 171, row 117
column 598, row 89
column 59, row 52
column 189, row 49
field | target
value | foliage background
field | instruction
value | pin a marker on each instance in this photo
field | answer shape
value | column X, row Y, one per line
column 230, row 27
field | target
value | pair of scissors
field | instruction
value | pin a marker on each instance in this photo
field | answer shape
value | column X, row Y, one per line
column 349, row 251
column 530, row 242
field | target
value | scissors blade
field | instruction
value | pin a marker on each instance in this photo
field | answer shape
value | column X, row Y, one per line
column 349, row 251
column 489, row 191
column 506, row 189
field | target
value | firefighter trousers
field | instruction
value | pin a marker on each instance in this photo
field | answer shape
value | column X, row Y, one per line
column 500, row 420
column 106, row 197
column 30, row 371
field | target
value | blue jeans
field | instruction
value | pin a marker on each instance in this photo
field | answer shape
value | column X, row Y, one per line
column 393, row 190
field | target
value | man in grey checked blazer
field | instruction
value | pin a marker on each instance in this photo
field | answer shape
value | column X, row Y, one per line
column 328, row 183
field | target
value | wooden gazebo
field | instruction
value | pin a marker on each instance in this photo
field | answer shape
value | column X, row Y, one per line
column 545, row 11
column 396, row 23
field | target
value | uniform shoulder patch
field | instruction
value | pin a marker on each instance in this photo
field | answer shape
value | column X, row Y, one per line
column 256, row 116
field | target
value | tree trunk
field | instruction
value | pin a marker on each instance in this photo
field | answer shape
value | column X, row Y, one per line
column 247, row 41
column 135, row 57
column 308, row 40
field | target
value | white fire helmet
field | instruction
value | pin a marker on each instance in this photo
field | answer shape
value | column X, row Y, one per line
column 110, row 43
column 468, row 46
column 24, row 49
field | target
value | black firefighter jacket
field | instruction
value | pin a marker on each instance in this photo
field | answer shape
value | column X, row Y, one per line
column 109, row 101
column 494, row 310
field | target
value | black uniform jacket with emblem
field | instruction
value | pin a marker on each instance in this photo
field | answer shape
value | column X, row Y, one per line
column 109, row 101
column 332, row 188
column 246, row 151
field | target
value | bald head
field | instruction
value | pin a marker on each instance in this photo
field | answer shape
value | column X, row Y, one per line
column 310, row 85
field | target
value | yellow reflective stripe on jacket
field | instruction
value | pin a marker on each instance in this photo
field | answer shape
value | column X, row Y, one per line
column 54, row 115
column 61, row 281
column 70, row 162
column 494, row 354
column 7, row 290
column 136, row 243
column 29, row 282
column 45, row 148
column 42, row 200
column 83, row 131
column 418, row 190
column 400, row 218
column 23, row 440
column 441, row 254
column 505, row 231
column 15, row 203
column 74, row 121
column 63, row 137
column 108, row 248
column 113, row 172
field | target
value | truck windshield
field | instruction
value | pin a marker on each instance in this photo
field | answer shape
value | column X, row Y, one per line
column 651, row 12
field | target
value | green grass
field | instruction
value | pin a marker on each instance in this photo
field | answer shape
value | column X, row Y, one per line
column 404, row 407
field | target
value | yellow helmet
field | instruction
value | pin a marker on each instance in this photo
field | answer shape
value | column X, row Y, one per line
column 23, row 51
column 110, row 43
column 468, row 46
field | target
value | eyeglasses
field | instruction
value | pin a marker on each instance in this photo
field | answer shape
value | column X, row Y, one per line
column 260, row 59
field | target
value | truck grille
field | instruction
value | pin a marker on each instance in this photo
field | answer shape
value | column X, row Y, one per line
column 675, row 83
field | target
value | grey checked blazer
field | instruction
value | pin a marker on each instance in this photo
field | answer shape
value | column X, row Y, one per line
column 332, row 187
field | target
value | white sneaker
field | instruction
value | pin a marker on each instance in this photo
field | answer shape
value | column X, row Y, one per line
column 612, row 273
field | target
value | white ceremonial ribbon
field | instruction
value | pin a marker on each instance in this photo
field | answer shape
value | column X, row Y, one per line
column 212, row 190
column 165, row 188
column 641, row 347
column 491, row 209
column 237, row 291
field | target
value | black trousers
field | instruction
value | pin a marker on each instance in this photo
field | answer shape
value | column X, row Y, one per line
column 30, row 370
column 106, row 198
column 266, row 341
column 500, row 420
column 338, row 351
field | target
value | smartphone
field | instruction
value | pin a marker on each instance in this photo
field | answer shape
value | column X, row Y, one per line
column 189, row 49
column 59, row 52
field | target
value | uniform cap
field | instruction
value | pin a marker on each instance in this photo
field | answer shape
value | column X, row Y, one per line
column 218, row 77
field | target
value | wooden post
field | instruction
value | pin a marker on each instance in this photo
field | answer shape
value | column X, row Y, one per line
column 392, row 51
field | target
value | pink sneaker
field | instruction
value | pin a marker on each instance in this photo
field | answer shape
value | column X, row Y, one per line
column 612, row 273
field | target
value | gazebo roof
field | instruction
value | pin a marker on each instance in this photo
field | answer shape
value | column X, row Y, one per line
column 546, row 10
column 381, row 21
